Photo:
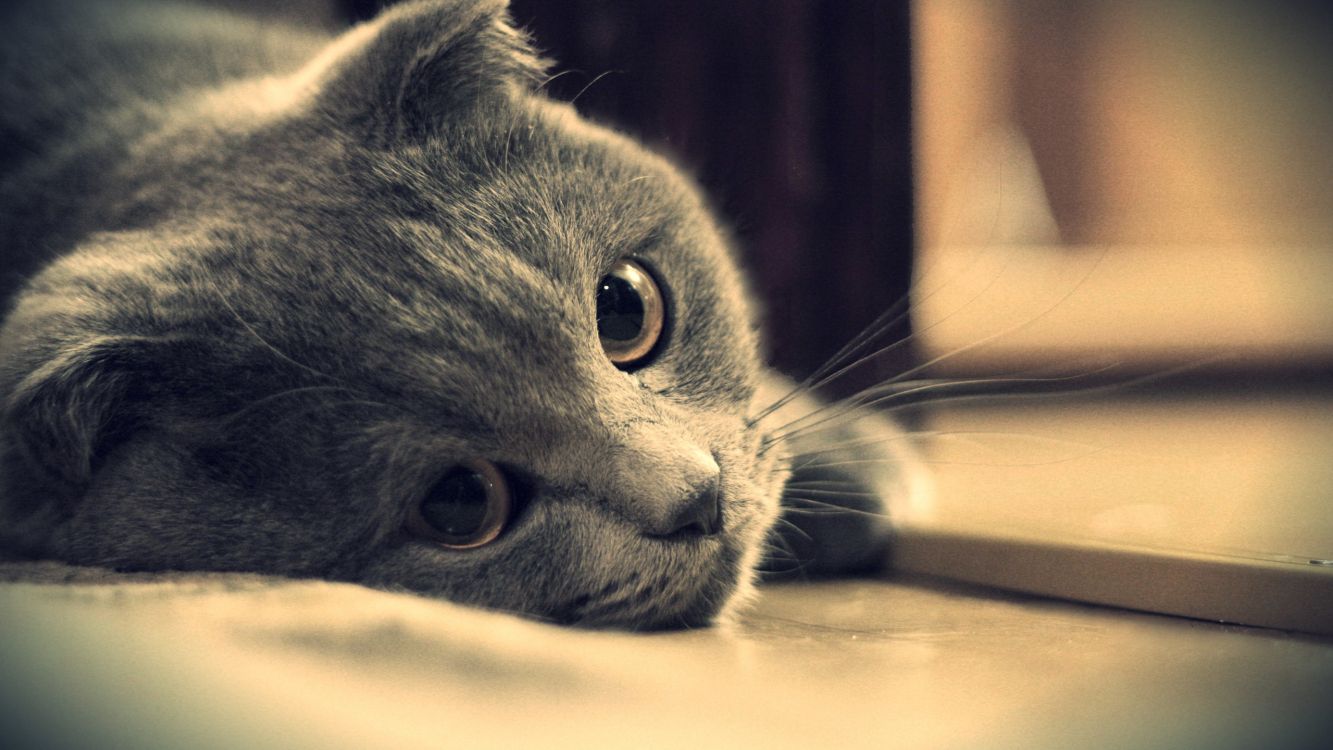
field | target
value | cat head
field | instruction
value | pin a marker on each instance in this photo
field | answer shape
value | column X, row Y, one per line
column 398, row 318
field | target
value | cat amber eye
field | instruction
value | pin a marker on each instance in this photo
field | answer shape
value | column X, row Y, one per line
column 631, row 313
column 466, row 508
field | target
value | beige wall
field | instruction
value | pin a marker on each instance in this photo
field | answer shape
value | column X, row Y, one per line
column 1170, row 158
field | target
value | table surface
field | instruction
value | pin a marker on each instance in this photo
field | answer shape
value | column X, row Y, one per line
column 1210, row 504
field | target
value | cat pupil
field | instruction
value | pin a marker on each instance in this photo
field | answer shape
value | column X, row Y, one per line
column 619, row 309
column 631, row 314
column 457, row 504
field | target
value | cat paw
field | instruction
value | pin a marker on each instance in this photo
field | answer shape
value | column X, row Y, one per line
column 836, row 504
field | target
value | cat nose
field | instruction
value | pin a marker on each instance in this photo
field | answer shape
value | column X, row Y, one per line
column 701, row 513
column 667, row 488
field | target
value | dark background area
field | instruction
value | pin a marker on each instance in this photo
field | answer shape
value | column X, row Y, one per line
column 794, row 115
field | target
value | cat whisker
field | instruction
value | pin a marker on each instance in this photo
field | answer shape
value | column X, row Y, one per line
column 1040, row 375
column 781, row 560
column 846, row 405
column 1112, row 387
column 924, row 436
column 777, row 547
column 299, row 391
column 296, row 413
column 984, row 340
column 808, row 491
column 814, row 506
column 822, row 484
column 883, row 323
column 589, row 85
column 896, row 387
column 267, row 344
column 937, row 462
column 793, row 527
column 509, row 132
column 834, row 446
column 867, row 398
column 549, row 79
column 895, row 345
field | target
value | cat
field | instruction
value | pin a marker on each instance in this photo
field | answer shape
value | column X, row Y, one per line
column 375, row 309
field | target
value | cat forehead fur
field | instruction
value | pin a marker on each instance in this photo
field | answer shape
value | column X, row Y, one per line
column 334, row 283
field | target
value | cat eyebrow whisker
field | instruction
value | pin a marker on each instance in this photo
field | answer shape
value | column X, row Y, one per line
column 267, row 344
column 589, row 84
column 509, row 139
column 547, row 81
column 300, row 390
column 295, row 413
column 513, row 124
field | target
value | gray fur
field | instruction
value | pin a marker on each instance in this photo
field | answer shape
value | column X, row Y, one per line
column 282, row 289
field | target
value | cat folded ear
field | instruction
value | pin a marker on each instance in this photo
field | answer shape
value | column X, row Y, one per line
column 66, row 407
column 73, row 409
column 420, row 65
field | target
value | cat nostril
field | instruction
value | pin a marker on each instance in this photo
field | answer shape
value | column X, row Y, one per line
column 701, row 514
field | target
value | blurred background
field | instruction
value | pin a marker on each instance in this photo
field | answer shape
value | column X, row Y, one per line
column 1150, row 181
column 1134, row 199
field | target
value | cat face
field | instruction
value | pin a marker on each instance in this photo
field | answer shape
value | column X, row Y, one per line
column 354, row 332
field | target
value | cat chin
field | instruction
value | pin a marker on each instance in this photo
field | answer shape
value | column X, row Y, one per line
column 724, row 608
column 745, row 593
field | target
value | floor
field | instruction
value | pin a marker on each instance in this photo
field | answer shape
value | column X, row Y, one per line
column 871, row 663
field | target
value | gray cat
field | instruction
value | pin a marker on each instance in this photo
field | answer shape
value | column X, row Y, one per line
column 375, row 309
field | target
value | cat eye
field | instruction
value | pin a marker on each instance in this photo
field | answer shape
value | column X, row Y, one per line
column 630, row 313
column 466, row 508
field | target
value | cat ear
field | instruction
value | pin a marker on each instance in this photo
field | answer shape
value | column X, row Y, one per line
column 67, row 406
column 419, row 65
column 68, row 412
